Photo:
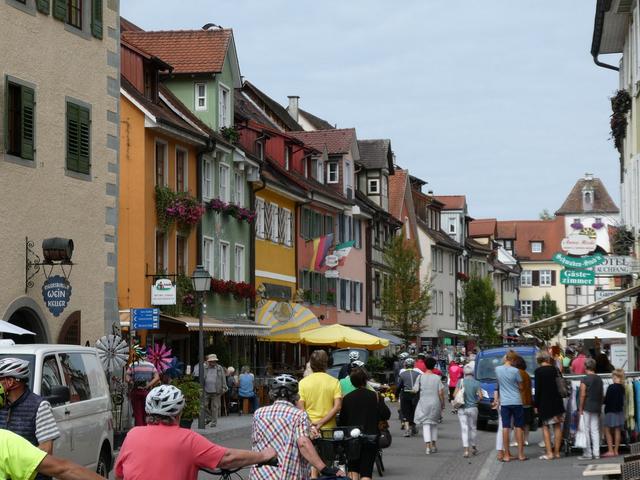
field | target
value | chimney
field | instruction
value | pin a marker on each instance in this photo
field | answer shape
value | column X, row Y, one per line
column 293, row 106
column 588, row 176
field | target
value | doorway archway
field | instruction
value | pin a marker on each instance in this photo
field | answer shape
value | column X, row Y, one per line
column 25, row 312
column 70, row 333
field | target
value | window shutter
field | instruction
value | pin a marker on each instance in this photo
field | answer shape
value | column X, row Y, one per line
column 73, row 135
column 282, row 224
column 96, row 18
column 553, row 277
column 60, row 9
column 267, row 221
column 43, row 6
column 290, row 226
column 535, row 278
column 28, row 104
column 85, row 141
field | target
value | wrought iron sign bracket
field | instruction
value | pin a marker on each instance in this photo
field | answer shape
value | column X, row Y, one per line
column 33, row 263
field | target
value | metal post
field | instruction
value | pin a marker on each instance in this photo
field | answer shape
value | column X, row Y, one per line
column 201, row 360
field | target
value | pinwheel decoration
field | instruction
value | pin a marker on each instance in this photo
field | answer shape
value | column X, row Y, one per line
column 113, row 352
column 175, row 368
column 136, row 353
column 160, row 356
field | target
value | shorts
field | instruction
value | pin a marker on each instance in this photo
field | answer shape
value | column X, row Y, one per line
column 512, row 413
column 553, row 420
column 528, row 415
column 614, row 419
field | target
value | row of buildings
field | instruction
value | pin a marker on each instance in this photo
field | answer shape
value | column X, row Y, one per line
column 153, row 154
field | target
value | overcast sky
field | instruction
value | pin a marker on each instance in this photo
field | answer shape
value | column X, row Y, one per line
column 498, row 100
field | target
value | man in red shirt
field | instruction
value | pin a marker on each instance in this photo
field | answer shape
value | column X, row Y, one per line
column 420, row 365
column 577, row 365
column 164, row 450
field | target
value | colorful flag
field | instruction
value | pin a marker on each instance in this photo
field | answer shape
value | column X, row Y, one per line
column 343, row 249
column 320, row 249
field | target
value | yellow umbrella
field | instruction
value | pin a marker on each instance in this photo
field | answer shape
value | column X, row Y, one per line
column 287, row 320
column 341, row 336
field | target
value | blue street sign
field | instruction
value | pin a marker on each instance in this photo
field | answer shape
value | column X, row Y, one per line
column 145, row 318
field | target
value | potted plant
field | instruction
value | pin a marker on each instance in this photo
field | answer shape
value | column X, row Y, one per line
column 191, row 391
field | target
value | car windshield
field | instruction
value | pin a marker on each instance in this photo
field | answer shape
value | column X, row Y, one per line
column 486, row 370
column 23, row 356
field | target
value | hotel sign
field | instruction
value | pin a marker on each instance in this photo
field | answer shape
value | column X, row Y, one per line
column 579, row 262
column 614, row 266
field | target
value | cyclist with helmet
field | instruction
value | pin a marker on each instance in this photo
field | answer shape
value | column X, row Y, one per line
column 398, row 365
column 19, row 460
column 162, row 449
column 345, row 370
column 26, row 413
column 286, row 428
column 408, row 388
column 346, row 386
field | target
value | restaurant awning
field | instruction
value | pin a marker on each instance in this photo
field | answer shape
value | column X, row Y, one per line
column 452, row 333
column 581, row 311
column 599, row 333
column 393, row 340
column 286, row 320
column 341, row 336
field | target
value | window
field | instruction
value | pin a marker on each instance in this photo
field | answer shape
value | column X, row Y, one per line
column 259, row 146
column 440, row 303
column 320, row 171
column 207, row 254
column 508, row 245
column 434, row 259
column 452, row 261
column 288, row 227
column 274, row 222
column 577, row 290
column 441, row 261
column 75, row 376
column 182, row 184
column 207, row 179
column 348, row 181
column 74, row 13
column 373, row 186
column 223, row 182
column 201, row 96
column 259, row 218
column 50, row 376
column 357, row 297
column 238, row 190
column 526, row 308
column 224, row 261
column 239, row 264
column 78, row 138
column 536, row 247
column 332, row 172
column 434, row 302
column 20, row 121
column 181, row 254
column 224, row 111
column 161, row 253
column 526, row 278
column 452, row 306
column 452, row 225
column 545, row 278
column 161, row 163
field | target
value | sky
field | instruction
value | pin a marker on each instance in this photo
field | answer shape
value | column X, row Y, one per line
column 497, row 100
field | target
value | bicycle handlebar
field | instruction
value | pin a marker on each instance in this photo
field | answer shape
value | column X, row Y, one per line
column 272, row 462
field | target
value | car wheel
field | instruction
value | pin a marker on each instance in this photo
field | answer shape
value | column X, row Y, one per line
column 102, row 468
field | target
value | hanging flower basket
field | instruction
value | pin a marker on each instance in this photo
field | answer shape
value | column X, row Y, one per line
column 463, row 276
column 240, row 290
column 177, row 207
column 620, row 106
column 577, row 225
column 232, row 210
column 597, row 225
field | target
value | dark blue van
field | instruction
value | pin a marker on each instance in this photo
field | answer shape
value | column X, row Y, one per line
column 485, row 372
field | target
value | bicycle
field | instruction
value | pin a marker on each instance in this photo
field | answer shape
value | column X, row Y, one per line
column 338, row 446
column 229, row 474
column 379, row 464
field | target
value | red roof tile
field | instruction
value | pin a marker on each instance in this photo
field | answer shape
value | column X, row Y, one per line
column 602, row 202
column 549, row 232
column 188, row 51
column 506, row 230
column 483, row 228
column 452, row 202
column 337, row 141
column 397, row 192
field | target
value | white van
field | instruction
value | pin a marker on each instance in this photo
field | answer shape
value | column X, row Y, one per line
column 71, row 378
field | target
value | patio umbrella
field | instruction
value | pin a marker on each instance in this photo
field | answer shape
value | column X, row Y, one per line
column 6, row 327
column 341, row 336
column 598, row 332
column 287, row 320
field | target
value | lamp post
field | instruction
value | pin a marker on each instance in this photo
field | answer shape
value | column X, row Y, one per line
column 201, row 281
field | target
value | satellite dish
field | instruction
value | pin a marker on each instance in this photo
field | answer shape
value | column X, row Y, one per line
column 282, row 312
column 113, row 352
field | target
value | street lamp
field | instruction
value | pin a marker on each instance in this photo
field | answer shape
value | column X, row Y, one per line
column 201, row 281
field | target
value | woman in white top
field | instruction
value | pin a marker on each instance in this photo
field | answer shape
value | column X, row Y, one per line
column 430, row 406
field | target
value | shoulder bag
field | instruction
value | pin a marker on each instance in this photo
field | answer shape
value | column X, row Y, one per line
column 561, row 383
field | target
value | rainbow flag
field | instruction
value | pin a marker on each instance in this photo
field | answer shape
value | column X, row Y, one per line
column 320, row 249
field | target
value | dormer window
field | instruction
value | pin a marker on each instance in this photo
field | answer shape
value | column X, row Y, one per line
column 201, row 96
column 536, row 247
column 373, row 186
column 332, row 172
column 260, row 149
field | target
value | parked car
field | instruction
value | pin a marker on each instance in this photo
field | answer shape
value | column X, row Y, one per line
column 486, row 362
column 340, row 357
column 71, row 378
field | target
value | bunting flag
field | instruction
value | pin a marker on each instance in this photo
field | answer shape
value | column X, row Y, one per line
column 320, row 249
column 342, row 250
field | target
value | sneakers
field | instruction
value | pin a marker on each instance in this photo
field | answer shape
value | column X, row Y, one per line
column 427, row 451
column 585, row 457
column 434, row 450
column 407, row 433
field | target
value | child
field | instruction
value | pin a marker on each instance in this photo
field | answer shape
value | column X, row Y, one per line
column 590, row 408
column 614, row 413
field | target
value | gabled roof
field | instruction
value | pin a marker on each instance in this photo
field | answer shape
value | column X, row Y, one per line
column 126, row 26
column 245, row 109
column 397, row 188
column 483, row 228
column 452, row 202
column 506, row 230
column 277, row 109
column 376, row 153
column 337, row 141
column 438, row 236
column 549, row 232
column 602, row 202
column 376, row 209
column 189, row 51
column 316, row 122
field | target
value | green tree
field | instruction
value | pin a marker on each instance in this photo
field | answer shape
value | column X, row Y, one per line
column 405, row 299
column 479, row 308
column 546, row 308
column 546, row 215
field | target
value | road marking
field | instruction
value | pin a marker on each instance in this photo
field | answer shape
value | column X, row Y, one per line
column 490, row 469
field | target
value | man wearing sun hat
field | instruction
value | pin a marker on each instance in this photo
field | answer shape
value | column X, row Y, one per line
column 214, row 387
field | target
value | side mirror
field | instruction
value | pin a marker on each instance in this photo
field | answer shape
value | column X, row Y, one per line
column 59, row 394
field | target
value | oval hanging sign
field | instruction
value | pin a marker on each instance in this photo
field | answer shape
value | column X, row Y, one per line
column 56, row 292
column 579, row 262
column 578, row 244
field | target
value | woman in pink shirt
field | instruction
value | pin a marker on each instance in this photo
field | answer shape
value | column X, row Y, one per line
column 577, row 365
column 455, row 373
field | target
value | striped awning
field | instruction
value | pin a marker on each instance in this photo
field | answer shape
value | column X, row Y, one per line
column 287, row 320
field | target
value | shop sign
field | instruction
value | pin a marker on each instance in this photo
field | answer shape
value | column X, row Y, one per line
column 56, row 292
column 577, row 244
column 577, row 277
column 163, row 292
column 619, row 356
column 331, row 261
column 602, row 294
column 615, row 265
column 579, row 262
column 332, row 274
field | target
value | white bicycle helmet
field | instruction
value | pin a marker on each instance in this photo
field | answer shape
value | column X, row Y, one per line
column 165, row 400
column 15, row 368
column 409, row 362
column 283, row 385
column 357, row 363
column 403, row 356
column 354, row 355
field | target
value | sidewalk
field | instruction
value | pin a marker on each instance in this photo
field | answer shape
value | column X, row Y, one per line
column 232, row 426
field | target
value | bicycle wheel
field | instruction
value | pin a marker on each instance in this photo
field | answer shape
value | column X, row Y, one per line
column 379, row 464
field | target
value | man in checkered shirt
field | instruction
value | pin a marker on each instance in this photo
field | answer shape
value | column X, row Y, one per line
column 286, row 428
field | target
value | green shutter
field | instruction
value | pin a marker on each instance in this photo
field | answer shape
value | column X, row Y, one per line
column 96, row 18
column 73, row 137
column 43, row 6
column 84, row 158
column 60, row 10
column 6, row 114
column 28, row 113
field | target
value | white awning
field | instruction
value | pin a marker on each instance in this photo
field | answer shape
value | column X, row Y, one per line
column 599, row 333
column 452, row 333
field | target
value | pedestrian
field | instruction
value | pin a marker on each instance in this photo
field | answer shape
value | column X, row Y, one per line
column 468, row 413
column 511, row 411
column 247, row 389
column 455, row 374
column 398, row 365
column 345, row 370
column 591, row 392
column 577, row 365
column 346, row 386
column 408, row 391
column 231, row 394
column 420, row 365
column 430, row 405
column 526, row 394
column 614, row 413
column 364, row 408
column 549, row 405
column 141, row 376
column 214, row 387
column 602, row 364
